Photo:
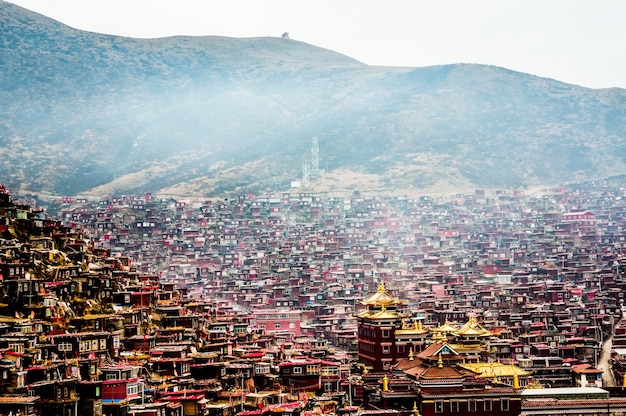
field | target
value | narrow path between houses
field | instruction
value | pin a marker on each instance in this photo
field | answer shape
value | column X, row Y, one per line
column 604, row 363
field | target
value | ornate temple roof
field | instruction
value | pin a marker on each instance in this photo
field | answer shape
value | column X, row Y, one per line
column 446, row 328
column 437, row 370
column 382, row 314
column 495, row 369
column 416, row 328
column 381, row 306
column 472, row 329
column 382, row 298
column 435, row 351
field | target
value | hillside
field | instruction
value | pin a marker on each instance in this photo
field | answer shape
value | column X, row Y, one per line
column 83, row 112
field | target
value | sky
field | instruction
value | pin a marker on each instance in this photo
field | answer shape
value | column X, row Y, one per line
column 575, row 41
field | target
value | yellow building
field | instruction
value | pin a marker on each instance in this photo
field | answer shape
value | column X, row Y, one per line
column 502, row 373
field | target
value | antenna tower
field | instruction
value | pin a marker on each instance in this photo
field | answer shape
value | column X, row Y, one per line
column 306, row 174
column 315, row 157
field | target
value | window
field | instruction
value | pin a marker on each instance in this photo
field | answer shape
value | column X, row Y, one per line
column 504, row 405
column 20, row 380
column 386, row 333
column 312, row 369
column 471, row 405
column 65, row 346
column 454, row 406
column 277, row 325
column 103, row 343
column 438, row 406
column 292, row 325
column 488, row 405
column 297, row 370
column 385, row 349
column 132, row 389
column 16, row 347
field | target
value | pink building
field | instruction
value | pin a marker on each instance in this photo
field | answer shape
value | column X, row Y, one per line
column 277, row 321
column 583, row 217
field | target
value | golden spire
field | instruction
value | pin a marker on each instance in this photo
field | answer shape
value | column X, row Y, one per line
column 381, row 297
column 417, row 325
column 415, row 411
column 515, row 381
column 440, row 361
column 385, row 383
column 411, row 354
column 439, row 338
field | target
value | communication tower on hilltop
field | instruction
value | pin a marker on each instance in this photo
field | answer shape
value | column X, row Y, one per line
column 315, row 157
column 306, row 175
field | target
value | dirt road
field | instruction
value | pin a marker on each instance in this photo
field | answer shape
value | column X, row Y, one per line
column 604, row 363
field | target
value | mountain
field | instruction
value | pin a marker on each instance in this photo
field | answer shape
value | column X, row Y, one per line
column 83, row 112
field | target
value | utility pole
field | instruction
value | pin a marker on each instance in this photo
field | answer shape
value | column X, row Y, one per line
column 315, row 157
column 242, row 395
column 350, row 389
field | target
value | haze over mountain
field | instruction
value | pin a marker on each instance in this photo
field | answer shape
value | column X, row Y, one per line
column 84, row 112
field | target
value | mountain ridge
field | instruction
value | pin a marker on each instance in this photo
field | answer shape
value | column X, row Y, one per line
column 90, row 113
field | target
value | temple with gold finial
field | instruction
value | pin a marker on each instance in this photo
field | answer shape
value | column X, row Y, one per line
column 377, row 326
column 508, row 374
column 412, row 337
column 471, row 339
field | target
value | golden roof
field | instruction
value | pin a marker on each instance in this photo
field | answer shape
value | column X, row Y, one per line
column 445, row 328
column 496, row 369
column 380, row 314
column 472, row 328
column 416, row 328
column 381, row 297
column 439, row 338
column 471, row 332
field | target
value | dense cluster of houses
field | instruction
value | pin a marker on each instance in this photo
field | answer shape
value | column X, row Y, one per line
column 297, row 304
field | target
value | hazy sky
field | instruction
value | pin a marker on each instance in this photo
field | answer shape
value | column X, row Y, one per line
column 575, row 41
